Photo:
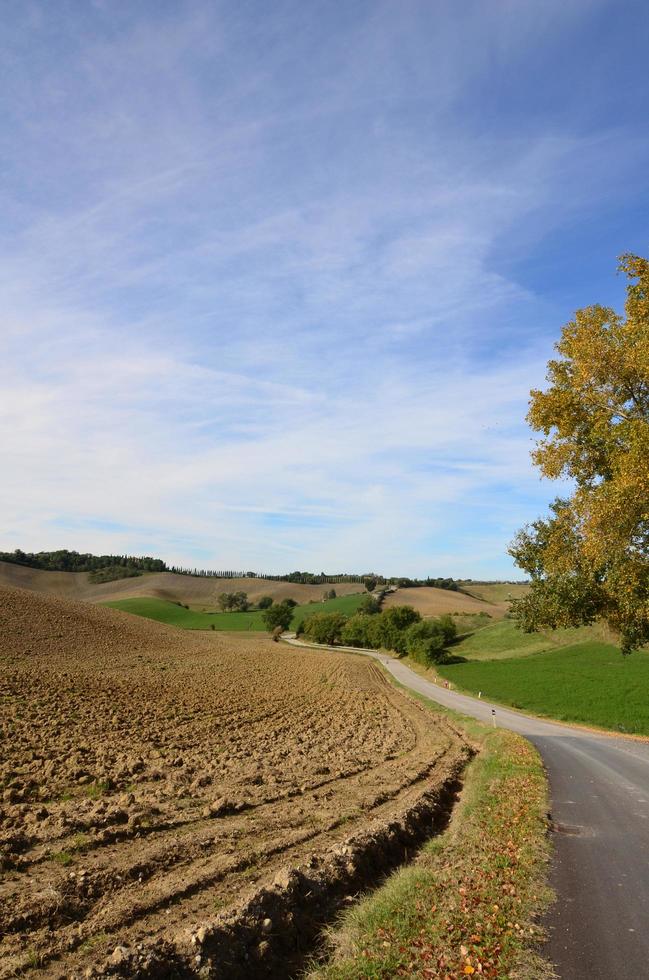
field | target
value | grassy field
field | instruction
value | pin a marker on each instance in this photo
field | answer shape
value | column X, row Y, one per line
column 588, row 682
column 467, row 905
column 189, row 619
column 503, row 640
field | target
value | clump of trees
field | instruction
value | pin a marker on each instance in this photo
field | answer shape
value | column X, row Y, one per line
column 233, row 601
column 324, row 627
column 426, row 641
column 111, row 573
column 72, row 561
column 589, row 559
column 400, row 629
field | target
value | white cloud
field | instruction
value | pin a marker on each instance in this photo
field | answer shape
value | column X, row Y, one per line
column 252, row 311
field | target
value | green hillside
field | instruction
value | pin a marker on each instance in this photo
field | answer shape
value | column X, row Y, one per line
column 175, row 615
column 588, row 682
column 503, row 640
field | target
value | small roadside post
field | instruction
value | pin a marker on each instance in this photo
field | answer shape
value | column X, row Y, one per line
column 493, row 716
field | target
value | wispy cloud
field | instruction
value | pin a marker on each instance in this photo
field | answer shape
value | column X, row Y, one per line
column 259, row 288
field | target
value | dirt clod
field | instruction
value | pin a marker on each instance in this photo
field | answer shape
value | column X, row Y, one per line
column 122, row 861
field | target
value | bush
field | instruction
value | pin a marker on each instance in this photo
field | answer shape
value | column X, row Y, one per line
column 388, row 629
column 448, row 627
column 369, row 605
column 265, row 602
column 330, row 594
column 356, row 631
column 290, row 602
column 400, row 617
column 278, row 615
column 325, row 627
column 427, row 640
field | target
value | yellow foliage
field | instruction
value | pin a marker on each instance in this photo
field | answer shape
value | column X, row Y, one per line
column 592, row 556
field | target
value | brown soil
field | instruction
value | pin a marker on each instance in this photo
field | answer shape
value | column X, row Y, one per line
column 200, row 593
column 155, row 780
column 437, row 602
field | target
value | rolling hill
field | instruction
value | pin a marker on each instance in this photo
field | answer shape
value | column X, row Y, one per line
column 199, row 593
column 436, row 602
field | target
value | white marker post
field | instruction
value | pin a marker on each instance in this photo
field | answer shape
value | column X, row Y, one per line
column 493, row 716
column 479, row 694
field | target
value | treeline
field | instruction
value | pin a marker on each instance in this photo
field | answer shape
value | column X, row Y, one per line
column 370, row 579
column 73, row 561
column 297, row 578
column 111, row 573
column 399, row 628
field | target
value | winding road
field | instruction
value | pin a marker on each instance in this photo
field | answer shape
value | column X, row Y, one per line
column 599, row 786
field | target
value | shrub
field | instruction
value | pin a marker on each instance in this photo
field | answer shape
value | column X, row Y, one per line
column 425, row 641
column 290, row 602
column 400, row 617
column 356, row 631
column 325, row 627
column 369, row 605
column 265, row 602
column 388, row 629
column 448, row 627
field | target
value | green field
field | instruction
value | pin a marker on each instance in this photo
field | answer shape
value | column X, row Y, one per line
column 175, row 615
column 588, row 682
column 503, row 640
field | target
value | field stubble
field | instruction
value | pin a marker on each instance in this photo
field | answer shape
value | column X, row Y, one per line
column 154, row 781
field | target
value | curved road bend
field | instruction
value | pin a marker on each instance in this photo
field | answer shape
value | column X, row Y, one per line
column 599, row 787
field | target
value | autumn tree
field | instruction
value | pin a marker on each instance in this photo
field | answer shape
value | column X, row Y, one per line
column 589, row 559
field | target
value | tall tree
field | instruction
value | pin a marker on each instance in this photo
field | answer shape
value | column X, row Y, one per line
column 590, row 558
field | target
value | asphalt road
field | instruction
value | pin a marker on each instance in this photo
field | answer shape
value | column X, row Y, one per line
column 599, row 786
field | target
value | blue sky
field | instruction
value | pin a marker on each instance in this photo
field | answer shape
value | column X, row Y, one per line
column 277, row 278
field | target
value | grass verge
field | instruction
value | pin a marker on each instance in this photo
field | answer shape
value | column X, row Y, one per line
column 468, row 905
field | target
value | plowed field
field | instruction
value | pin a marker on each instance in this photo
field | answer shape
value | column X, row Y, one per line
column 153, row 780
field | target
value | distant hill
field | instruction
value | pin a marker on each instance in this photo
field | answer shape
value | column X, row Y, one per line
column 496, row 591
column 437, row 602
column 199, row 593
